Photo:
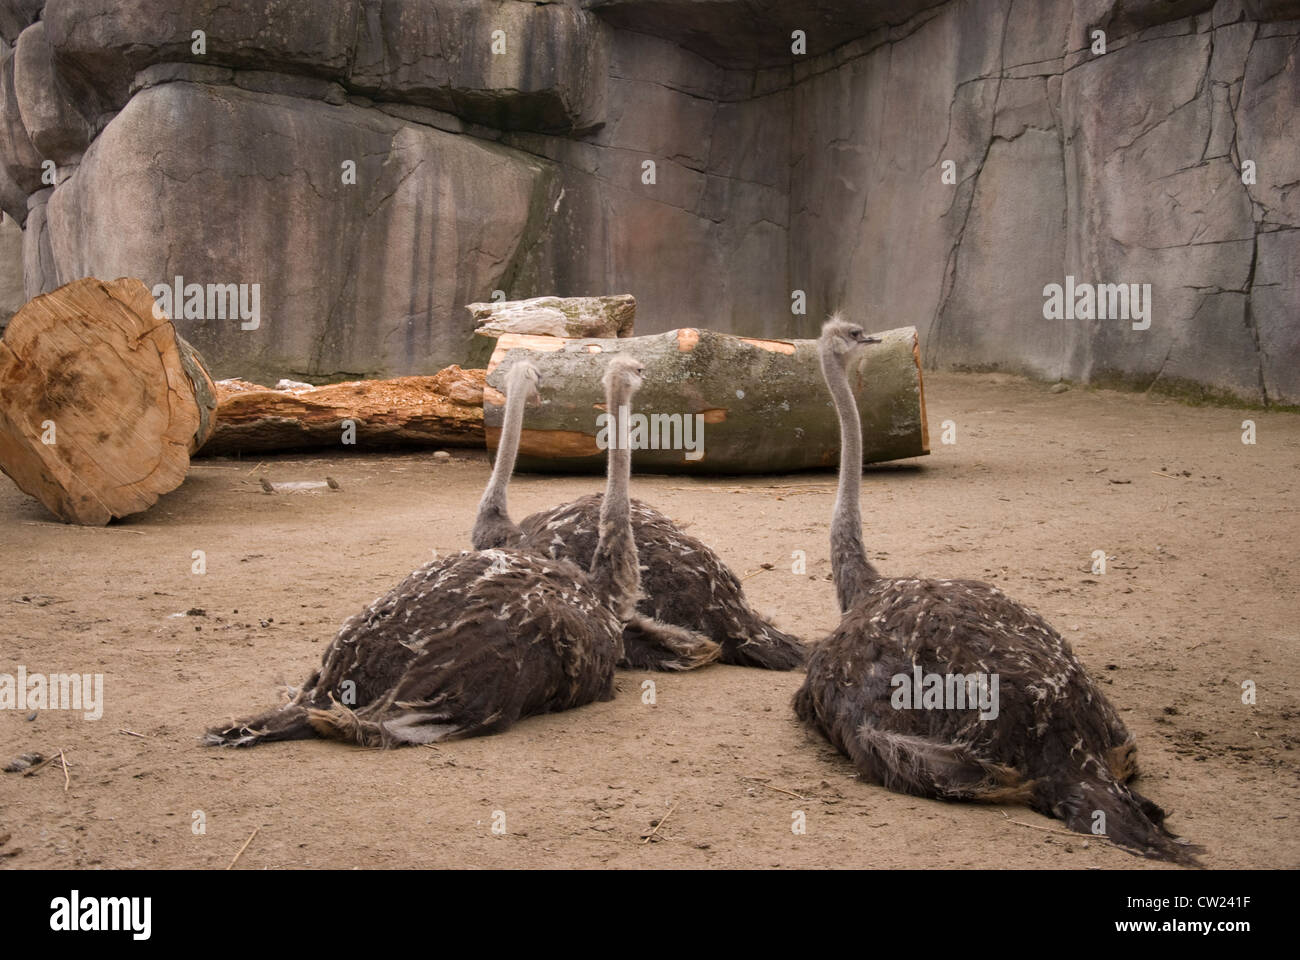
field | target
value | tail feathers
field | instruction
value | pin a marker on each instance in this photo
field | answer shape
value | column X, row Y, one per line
column 933, row 768
column 289, row 722
column 1122, row 814
column 399, row 726
column 767, row 649
column 653, row 645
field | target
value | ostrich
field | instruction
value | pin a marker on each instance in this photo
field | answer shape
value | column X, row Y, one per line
column 1051, row 739
column 493, row 526
column 470, row 644
column 647, row 643
column 684, row 582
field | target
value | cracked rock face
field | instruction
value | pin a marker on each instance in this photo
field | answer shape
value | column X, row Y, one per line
column 378, row 270
column 374, row 165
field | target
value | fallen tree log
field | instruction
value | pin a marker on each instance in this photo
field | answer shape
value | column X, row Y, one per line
column 611, row 316
column 712, row 403
column 444, row 410
column 556, row 316
column 101, row 403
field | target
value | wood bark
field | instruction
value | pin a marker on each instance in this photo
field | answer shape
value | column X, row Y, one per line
column 101, row 402
column 760, row 406
column 557, row 316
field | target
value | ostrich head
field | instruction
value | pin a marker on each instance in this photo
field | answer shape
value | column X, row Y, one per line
column 841, row 338
column 623, row 375
column 526, row 378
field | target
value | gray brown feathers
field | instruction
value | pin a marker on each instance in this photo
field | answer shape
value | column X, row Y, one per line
column 470, row 644
column 683, row 582
column 654, row 645
column 1043, row 734
column 1056, row 743
column 463, row 646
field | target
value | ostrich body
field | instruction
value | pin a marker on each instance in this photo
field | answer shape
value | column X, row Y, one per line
column 1053, row 741
column 684, row 583
column 470, row 644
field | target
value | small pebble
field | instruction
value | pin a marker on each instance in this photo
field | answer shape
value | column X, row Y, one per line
column 441, row 455
column 19, row 764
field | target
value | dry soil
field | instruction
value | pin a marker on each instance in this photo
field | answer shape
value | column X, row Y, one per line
column 1198, row 598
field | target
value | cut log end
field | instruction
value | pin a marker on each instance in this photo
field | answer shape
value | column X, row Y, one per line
column 101, row 402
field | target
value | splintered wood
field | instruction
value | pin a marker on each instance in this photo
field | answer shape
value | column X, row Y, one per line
column 445, row 409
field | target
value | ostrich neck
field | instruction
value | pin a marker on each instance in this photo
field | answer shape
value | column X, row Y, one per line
column 850, row 567
column 615, row 569
column 493, row 525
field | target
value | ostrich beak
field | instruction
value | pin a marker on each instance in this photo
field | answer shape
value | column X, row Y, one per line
column 873, row 340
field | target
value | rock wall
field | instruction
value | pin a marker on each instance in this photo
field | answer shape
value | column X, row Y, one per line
column 1122, row 167
column 12, row 291
column 373, row 165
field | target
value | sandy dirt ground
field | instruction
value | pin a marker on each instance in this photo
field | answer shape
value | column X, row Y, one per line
column 1199, row 595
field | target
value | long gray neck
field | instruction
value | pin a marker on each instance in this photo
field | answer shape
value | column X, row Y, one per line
column 615, row 568
column 850, row 568
column 493, row 526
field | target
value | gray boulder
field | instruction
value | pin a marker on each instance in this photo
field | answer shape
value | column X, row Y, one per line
column 106, row 42
column 20, row 159
column 54, row 123
column 16, row 16
column 932, row 164
column 12, row 288
column 359, row 280
column 508, row 65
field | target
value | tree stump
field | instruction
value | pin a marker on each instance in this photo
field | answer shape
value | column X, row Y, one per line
column 101, row 403
column 444, row 410
column 712, row 403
